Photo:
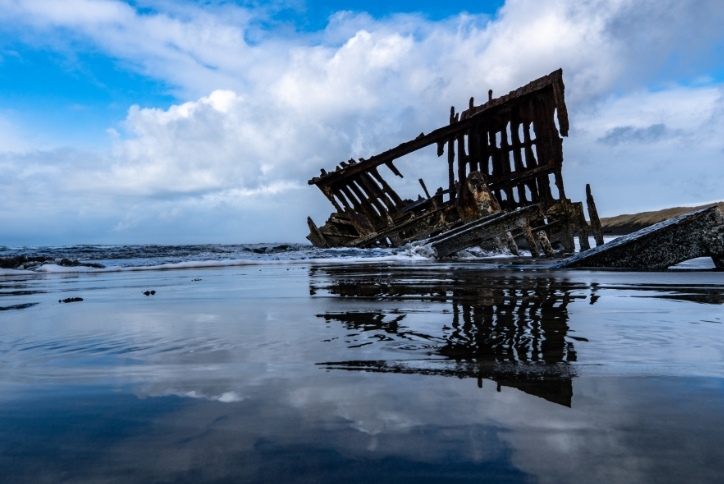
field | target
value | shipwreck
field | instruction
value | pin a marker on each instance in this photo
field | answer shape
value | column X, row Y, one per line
column 504, row 191
column 504, row 186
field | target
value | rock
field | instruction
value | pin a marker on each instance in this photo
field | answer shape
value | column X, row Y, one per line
column 22, row 261
column 29, row 262
column 71, row 299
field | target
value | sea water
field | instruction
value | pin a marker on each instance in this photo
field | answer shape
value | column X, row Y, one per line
column 283, row 363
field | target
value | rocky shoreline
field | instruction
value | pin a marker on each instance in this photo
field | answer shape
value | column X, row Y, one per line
column 25, row 262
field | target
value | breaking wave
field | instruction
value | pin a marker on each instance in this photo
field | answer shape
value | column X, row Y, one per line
column 106, row 258
column 115, row 258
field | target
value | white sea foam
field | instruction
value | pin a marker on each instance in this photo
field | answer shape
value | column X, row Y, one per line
column 56, row 269
column 14, row 272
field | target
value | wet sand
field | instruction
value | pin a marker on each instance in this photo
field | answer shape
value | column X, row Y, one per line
column 420, row 372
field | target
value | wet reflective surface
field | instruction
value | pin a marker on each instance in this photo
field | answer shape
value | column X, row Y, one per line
column 385, row 372
column 512, row 330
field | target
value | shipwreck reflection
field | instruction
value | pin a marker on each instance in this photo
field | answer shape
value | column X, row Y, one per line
column 502, row 327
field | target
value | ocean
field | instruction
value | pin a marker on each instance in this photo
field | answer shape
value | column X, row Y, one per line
column 284, row 363
column 118, row 258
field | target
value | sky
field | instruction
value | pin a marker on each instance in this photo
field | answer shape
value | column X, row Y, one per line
column 175, row 122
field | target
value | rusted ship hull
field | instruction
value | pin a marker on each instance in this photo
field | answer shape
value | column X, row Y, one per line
column 503, row 155
column 688, row 236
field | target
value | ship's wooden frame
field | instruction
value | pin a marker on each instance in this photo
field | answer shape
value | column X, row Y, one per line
column 513, row 143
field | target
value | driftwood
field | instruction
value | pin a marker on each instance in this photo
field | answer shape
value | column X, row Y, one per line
column 503, row 155
column 688, row 236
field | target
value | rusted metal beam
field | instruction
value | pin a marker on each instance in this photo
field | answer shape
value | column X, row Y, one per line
column 511, row 144
column 474, row 233
column 593, row 217
column 315, row 235
column 688, row 236
column 490, row 108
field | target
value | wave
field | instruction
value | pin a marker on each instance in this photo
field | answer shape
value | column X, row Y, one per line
column 121, row 258
column 116, row 258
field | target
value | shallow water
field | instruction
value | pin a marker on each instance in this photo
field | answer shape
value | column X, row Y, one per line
column 392, row 371
column 123, row 258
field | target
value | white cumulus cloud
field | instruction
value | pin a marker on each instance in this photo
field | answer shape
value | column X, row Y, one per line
column 259, row 117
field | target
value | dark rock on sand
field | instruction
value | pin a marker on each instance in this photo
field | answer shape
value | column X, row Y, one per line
column 75, row 263
column 20, row 261
column 71, row 299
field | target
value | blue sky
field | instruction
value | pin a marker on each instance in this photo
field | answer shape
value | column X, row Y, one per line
column 45, row 85
column 182, row 122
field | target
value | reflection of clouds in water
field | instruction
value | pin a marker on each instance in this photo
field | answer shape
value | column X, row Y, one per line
column 626, row 430
column 241, row 397
column 369, row 408
column 590, row 443
column 358, row 415
column 226, row 397
column 426, row 418
column 613, row 431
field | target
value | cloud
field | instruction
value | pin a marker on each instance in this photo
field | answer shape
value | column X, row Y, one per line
column 11, row 138
column 669, row 157
column 263, row 108
column 631, row 134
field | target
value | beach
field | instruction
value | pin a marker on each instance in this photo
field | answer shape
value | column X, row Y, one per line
column 361, row 242
column 390, row 369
